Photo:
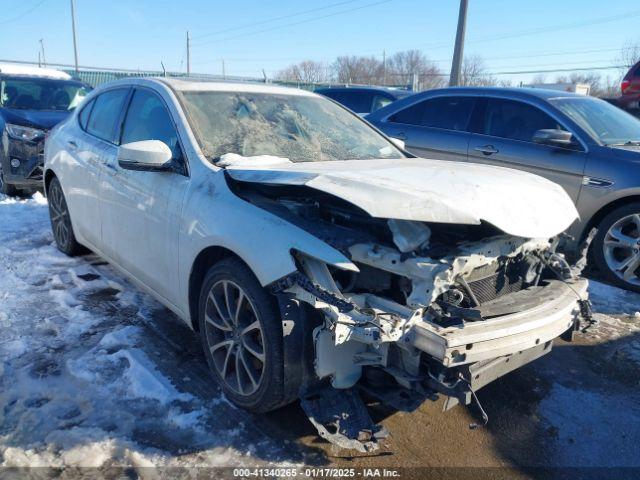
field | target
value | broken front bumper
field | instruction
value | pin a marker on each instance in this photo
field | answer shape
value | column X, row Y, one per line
column 27, row 174
column 538, row 316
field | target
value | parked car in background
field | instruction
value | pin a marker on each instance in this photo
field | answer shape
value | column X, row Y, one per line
column 363, row 100
column 586, row 145
column 308, row 251
column 630, row 89
column 32, row 101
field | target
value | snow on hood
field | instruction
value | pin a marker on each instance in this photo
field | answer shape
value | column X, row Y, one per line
column 519, row 203
column 233, row 159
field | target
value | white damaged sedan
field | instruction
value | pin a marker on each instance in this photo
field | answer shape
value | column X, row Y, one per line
column 313, row 256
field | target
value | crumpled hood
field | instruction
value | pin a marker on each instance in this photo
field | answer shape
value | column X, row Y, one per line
column 516, row 202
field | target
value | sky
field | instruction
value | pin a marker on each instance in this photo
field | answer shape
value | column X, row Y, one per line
column 254, row 35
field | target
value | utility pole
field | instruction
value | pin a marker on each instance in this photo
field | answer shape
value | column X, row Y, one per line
column 73, row 29
column 456, row 65
column 188, row 53
column 44, row 61
column 224, row 75
column 384, row 67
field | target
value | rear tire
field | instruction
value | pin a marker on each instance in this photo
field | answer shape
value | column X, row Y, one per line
column 241, row 334
column 61, row 221
column 616, row 247
column 7, row 188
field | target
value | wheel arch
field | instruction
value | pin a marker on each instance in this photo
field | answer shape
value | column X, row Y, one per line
column 49, row 175
column 596, row 218
column 207, row 257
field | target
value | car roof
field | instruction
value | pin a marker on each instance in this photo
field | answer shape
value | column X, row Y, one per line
column 523, row 92
column 29, row 71
column 396, row 92
column 197, row 85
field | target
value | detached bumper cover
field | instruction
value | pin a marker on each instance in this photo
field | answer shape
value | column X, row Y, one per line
column 539, row 315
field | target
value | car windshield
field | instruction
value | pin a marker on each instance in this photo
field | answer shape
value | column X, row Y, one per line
column 603, row 121
column 41, row 94
column 300, row 128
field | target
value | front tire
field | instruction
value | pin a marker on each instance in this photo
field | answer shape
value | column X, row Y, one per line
column 616, row 246
column 241, row 333
column 6, row 188
column 61, row 221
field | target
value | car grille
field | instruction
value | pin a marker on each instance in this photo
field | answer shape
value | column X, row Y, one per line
column 495, row 280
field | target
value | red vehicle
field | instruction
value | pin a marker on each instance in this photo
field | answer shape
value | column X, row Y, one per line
column 630, row 98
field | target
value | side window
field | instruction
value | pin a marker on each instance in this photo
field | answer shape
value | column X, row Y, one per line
column 148, row 119
column 83, row 116
column 358, row 102
column 515, row 120
column 448, row 113
column 107, row 107
column 380, row 101
column 411, row 115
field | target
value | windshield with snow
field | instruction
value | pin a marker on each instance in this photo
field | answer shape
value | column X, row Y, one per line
column 41, row 93
column 299, row 128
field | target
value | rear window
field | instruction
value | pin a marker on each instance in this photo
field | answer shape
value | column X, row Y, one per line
column 447, row 113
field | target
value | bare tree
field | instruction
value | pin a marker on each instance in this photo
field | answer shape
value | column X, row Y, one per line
column 474, row 74
column 599, row 86
column 403, row 65
column 629, row 55
column 358, row 69
column 308, row 71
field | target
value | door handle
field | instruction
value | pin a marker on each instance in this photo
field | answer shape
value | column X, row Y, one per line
column 487, row 149
column 72, row 145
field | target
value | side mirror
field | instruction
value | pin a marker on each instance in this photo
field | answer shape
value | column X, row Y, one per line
column 398, row 143
column 553, row 137
column 146, row 156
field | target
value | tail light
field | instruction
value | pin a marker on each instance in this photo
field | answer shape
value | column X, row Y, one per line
column 625, row 84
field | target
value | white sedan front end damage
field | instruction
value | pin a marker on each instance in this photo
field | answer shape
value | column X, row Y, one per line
column 429, row 304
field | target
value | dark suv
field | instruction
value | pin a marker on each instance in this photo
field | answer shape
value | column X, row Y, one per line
column 586, row 145
column 363, row 100
column 630, row 98
column 32, row 101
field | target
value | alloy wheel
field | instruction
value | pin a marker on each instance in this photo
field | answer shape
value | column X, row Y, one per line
column 59, row 215
column 621, row 248
column 234, row 337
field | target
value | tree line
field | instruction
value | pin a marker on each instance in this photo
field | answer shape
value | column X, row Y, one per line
column 413, row 68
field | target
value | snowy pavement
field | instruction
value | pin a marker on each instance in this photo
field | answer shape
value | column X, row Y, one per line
column 93, row 372
column 84, row 358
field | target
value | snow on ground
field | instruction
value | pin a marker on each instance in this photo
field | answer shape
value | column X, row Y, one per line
column 84, row 379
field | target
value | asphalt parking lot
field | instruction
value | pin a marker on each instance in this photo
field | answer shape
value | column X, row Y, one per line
column 93, row 372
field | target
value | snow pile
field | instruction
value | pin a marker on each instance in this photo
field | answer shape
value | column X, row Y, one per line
column 95, row 373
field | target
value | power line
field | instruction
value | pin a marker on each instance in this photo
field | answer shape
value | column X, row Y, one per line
column 535, row 31
column 274, row 19
column 23, row 14
column 294, row 23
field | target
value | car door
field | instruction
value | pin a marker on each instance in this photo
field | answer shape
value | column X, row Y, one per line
column 504, row 134
column 140, row 210
column 437, row 127
column 89, row 149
